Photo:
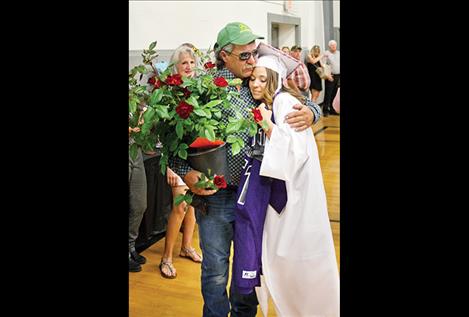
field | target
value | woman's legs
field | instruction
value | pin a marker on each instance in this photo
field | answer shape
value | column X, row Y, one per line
column 188, row 230
column 174, row 224
column 314, row 95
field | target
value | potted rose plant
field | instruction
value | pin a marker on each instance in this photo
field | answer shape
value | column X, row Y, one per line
column 182, row 113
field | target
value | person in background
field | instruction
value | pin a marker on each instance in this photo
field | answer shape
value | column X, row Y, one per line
column 286, row 50
column 313, row 60
column 283, row 221
column 236, row 53
column 184, row 61
column 299, row 79
column 332, row 58
column 137, row 203
column 336, row 102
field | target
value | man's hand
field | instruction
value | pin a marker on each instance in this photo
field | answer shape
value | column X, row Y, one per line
column 193, row 177
column 300, row 120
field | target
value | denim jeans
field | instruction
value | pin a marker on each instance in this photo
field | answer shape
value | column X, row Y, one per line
column 215, row 235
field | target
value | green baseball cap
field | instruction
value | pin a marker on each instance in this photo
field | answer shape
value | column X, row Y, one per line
column 235, row 33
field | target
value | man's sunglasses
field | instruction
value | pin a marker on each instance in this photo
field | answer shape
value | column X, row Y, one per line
column 244, row 56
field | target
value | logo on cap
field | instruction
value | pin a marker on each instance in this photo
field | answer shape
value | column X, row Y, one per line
column 244, row 28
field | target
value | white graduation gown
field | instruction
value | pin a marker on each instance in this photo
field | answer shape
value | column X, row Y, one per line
column 298, row 258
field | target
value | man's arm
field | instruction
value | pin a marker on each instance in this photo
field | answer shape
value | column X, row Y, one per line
column 305, row 117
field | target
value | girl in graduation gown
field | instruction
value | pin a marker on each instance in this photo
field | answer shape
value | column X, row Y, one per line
column 298, row 267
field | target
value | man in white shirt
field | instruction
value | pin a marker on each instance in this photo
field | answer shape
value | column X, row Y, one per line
column 332, row 58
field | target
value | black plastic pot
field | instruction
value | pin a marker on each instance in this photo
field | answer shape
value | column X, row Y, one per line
column 215, row 159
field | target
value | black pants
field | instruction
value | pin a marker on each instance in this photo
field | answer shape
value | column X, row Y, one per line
column 330, row 92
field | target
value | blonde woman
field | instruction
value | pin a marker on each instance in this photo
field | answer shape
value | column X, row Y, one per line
column 184, row 61
column 313, row 60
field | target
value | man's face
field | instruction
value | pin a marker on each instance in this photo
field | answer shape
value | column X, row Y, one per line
column 332, row 47
column 296, row 54
column 240, row 68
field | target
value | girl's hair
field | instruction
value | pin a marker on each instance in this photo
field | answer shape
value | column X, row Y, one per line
column 184, row 48
column 272, row 84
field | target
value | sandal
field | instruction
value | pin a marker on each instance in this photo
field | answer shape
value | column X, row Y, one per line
column 165, row 264
column 190, row 253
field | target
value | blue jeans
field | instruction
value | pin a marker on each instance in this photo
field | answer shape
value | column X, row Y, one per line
column 215, row 235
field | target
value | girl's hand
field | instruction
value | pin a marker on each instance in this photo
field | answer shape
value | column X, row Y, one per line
column 266, row 123
column 265, row 112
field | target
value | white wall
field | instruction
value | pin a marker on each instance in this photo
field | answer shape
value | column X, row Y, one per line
column 336, row 13
column 286, row 35
column 174, row 22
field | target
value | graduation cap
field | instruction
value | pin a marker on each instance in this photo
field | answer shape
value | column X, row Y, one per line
column 276, row 60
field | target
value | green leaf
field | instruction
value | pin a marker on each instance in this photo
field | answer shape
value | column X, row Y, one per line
column 233, row 127
column 149, row 114
column 152, row 45
column 162, row 111
column 156, row 96
column 192, row 101
column 132, row 106
column 216, row 114
column 182, row 154
column 188, row 199
column 179, row 129
column 148, row 118
column 208, row 113
column 240, row 142
column 162, row 167
column 209, row 133
column 174, row 145
column 200, row 112
column 201, row 183
column 252, row 128
column 235, row 148
column 231, row 139
column 213, row 103
column 179, row 199
column 141, row 69
column 140, row 90
column 183, row 146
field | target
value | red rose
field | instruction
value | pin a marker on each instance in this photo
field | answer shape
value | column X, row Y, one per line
column 209, row 65
column 219, row 181
column 186, row 92
column 220, row 82
column 184, row 109
column 174, row 80
column 257, row 114
column 156, row 83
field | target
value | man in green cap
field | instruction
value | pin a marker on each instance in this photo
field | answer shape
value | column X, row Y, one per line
column 236, row 52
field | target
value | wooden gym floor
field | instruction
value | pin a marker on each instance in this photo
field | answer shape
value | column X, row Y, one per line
column 151, row 295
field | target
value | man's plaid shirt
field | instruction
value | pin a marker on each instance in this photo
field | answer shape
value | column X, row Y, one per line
column 244, row 103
